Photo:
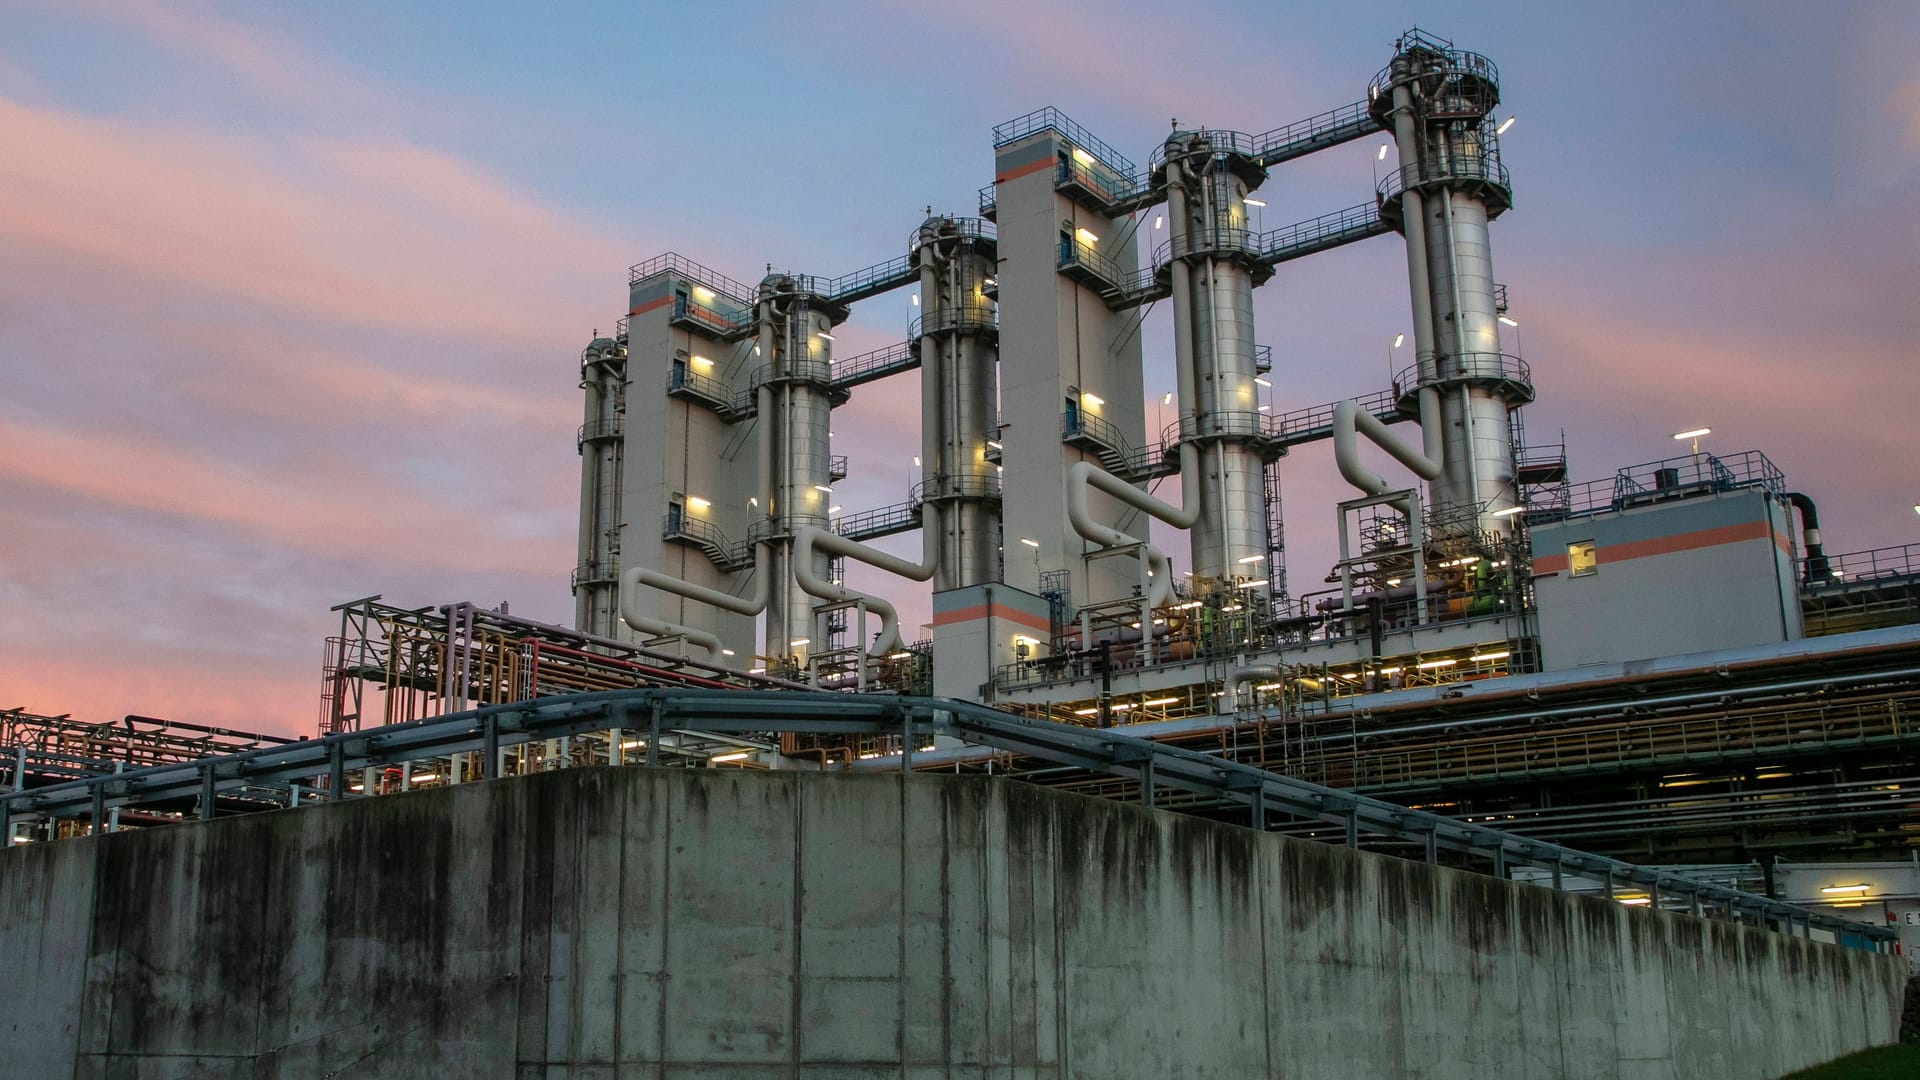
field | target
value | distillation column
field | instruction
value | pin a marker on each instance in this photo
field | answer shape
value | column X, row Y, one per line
column 596, row 572
column 1436, row 101
column 958, row 332
column 1213, row 272
column 796, row 403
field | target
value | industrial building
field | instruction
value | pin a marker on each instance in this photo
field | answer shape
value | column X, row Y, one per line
column 1654, row 686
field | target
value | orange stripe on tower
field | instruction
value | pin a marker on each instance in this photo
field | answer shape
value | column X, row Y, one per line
column 650, row 305
column 1667, row 545
column 1021, row 170
column 981, row 611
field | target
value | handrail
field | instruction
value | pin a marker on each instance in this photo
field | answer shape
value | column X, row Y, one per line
column 1049, row 117
column 956, row 317
column 1873, row 564
column 953, row 228
column 610, row 427
column 1467, row 367
column 1319, row 233
column 1486, row 168
column 738, row 292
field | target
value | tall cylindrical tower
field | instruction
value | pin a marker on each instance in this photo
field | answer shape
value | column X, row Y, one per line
column 596, row 572
column 794, row 388
column 1437, row 101
column 1214, row 267
column 958, row 337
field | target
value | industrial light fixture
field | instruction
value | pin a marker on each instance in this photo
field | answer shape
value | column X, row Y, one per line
column 702, row 293
column 1382, row 155
column 1504, row 321
column 1509, row 511
column 1501, row 655
column 1251, row 559
column 701, row 361
column 722, row 759
column 1263, row 382
column 1167, row 399
column 1082, row 156
column 1085, row 236
column 1265, row 408
column 833, row 509
column 752, row 501
column 1254, row 202
column 990, row 281
column 1636, row 901
column 726, row 652
column 1393, row 582
column 1504, row 125
column 697, row 502
column 1916, row 508
column 824, row 489
column 995, row 443
column 1837, row 890
column 1431, row 664
column 799, row 641
column 824, row 335
column 900, row 656
column 632, row 744
column 1093, row 399
column 1159, row 220
column 1398, row 340
column 1161, row 701
column 1030, row 541
column 1254, row 584
column 1693, row 435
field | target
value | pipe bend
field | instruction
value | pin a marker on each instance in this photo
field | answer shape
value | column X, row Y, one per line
column 811, row 537
column 646, row 624
column 1350, row 421
column 1084, row 475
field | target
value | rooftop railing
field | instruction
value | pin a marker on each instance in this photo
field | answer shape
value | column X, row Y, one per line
column 738, row 292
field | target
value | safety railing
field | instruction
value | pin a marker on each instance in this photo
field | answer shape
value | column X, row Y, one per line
column 810, row 371
column 1302, row 137
column 711, row 319
column 1320, row 234
column 1198, row 242
column 1051, row 118
column 684, row 383
column 879, row 363
column 706, row 536
column 672, row 262
column 1262, row 359
column 879, row 521
column 604, row 429
column 836, row 468
column 1669, row 478
column 1103, row 184
column 1438, row 57
column 595, row 573
column 1484, row 170
column 1206, row 143
column 1111, row 281
column 989, row 200
column 956, row 317
column 939, row 486
column 955, row 228
column 1856, row 567
column 867, row 281
column 1475, row 367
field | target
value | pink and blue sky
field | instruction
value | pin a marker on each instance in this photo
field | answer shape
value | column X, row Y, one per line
column 292, row 295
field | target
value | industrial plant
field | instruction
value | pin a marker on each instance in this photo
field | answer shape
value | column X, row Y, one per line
column 1648, row 684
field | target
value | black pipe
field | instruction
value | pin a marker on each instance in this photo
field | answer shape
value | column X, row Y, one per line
column 1818, row 568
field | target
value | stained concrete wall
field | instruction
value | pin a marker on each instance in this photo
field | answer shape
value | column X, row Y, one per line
column 602, row 923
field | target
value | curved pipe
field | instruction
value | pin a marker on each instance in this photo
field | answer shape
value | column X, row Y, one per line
column 1350, row 421
column 639, row 577
column 1817, row 566
column 1085, row 474
column 812, row 536
column 1251, row 674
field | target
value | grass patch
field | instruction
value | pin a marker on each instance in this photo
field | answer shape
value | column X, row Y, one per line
column 1883, row 1063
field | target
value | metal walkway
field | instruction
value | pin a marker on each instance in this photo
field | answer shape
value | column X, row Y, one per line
column 912, row 720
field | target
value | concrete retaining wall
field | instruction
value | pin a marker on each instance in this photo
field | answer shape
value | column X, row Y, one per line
column 601, row 923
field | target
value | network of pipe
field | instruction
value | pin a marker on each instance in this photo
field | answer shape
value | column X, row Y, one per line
column 1437, row 105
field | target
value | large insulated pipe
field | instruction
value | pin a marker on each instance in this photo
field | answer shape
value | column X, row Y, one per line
column 1818, row 568
column 809, row 538
column 1350, row 421
column 1084, row 475
column 1251, row 674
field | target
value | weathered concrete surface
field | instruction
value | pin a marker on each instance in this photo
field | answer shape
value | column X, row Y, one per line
column 598, row 924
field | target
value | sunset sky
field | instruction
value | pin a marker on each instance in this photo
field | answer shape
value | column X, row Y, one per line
column 292, row 295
